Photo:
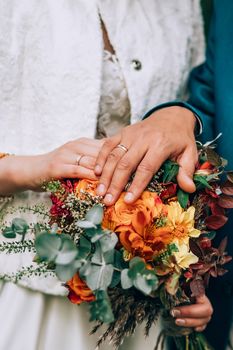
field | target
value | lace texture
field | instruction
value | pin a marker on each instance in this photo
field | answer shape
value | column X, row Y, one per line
column 114, row 109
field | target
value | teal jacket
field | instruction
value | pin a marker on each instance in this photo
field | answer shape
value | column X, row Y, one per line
column 211, row 98
column 211, row 88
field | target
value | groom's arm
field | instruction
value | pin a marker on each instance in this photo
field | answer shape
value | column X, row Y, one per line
column 201, row 87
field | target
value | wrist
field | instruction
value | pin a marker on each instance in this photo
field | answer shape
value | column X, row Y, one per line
column 18, row 173
column 179, row 116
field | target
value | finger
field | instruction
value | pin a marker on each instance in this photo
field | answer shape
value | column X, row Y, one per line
column 192, row 322
column 123, row 170
column 144, row 173
column 107, row 147
column 87, row 162
column 200, row 329
column 187, row 162
column 113, row 158
column 75, row 172
column 78, row 148
column 201, row 309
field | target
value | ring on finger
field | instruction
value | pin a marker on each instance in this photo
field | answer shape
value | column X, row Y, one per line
column 78, row 159
column 122, row 147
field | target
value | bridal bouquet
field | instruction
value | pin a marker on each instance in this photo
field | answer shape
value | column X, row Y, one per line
column 134, row 262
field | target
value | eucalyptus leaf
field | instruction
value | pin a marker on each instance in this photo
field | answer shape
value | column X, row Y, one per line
column 20, row 226
column 126, row 281
column 48, row 246
column 95, row 214
column 85, row 224
column 137, row 265
column 67, row 253
column 66, row 272
column 119, row 262
column 100, row 277
column 8, row 232
column 84, row 247
column 141, row 284
column 116, row 278
column 85, row 269
column 100, row 309
column 108, row 241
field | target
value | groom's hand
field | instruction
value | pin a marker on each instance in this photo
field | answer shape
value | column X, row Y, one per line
column 142, row 148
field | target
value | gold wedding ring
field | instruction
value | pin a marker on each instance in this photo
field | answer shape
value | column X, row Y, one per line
column 78, row 159
column 125, row 149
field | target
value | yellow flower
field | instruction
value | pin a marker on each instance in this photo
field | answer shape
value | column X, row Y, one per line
column 181, row 222
column 184, row 257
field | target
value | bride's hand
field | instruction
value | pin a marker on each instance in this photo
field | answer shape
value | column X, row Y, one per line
column 197, row 315
column 75, row 159
column 167, row 133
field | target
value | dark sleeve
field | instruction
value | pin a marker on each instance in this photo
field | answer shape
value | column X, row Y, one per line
column 201, row 87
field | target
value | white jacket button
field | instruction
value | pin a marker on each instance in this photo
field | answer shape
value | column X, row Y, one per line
column 136, row 64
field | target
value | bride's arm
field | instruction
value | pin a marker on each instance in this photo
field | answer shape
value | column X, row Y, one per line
column 75, row 159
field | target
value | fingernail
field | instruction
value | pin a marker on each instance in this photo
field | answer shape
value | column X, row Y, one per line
column 101, row 190
column 175, row 313
column 180, row 322
column 128, row 197
column 98, row 169
column 108, row 198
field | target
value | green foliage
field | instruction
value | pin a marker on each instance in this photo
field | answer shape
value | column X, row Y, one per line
column 139, row 276
column 183, row 198
column 93, row 218
column 201, row 182
column 18, row 227
column 170, row 171
column 100, row 309
column 54, row 186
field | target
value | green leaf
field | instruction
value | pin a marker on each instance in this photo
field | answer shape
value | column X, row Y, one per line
column 146, row 282
column 99, row 277
column 95, row 214
column 201, row 182
column 85, row 224
column 66, row 272
column 84, row 247
column 116, row 278
column 48, row 246
column 108, row 241
column 170, row 171
column 183, row 198
column 211, row 235
column 67, row 252
column 126, row 281
column 136, row 265
column 101, row 309
column 20, row 226
column 119, row 262
column 8, row 232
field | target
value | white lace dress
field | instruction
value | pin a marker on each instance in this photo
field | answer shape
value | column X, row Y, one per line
column 52, row 322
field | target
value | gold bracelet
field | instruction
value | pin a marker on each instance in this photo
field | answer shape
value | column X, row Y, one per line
column 3, row 155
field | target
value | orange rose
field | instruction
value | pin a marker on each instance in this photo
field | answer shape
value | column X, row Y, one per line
column 79, row 291
column 85, row 186
column 143, row 211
